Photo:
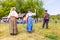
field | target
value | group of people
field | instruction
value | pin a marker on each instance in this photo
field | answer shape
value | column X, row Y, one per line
column 28, row 18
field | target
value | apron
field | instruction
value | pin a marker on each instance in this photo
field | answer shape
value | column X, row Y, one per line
column 13, row 25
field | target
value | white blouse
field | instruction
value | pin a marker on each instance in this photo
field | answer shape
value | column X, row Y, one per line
column 30, row 14
column 13, row 13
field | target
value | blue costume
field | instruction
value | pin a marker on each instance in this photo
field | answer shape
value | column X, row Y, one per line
column 30, row 23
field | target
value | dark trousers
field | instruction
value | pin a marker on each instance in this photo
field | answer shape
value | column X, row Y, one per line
column 45, row 22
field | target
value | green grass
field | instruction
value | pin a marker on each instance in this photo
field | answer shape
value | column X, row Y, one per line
column 53, row 33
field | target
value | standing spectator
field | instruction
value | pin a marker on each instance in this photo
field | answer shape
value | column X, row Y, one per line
column 35, row 20
column 45, row 19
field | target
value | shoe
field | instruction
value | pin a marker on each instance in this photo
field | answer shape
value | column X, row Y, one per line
column 11, row 34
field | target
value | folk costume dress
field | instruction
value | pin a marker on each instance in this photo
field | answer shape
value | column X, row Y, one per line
column 30, row 23
column 12, row 22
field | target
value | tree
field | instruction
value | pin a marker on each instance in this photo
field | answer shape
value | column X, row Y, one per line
column 22, row 6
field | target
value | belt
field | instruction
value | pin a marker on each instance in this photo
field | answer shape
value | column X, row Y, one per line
column 12, row 17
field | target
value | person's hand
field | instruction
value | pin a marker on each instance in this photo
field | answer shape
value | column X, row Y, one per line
column 8, row 19
column 35, row 10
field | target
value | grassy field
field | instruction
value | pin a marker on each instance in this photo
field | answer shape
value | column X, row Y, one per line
column 53, row 33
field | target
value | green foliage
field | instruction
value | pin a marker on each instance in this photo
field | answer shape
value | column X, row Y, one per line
column 55, row 17
column 22, row 6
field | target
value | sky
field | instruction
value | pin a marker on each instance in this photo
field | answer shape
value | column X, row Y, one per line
column 53, row 6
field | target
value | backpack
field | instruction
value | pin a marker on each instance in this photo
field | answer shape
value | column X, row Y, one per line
column 46, row 16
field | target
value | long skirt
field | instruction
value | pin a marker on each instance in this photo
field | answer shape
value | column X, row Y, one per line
column 29, row 24
column 13, row 26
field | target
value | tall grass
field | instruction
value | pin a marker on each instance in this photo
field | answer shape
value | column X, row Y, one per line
column 53, row 33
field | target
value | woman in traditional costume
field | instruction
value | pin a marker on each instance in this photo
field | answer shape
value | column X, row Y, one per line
column 30, row 23
column 12, row 21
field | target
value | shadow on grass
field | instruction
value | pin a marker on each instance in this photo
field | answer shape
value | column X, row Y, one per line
column 51, row 36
